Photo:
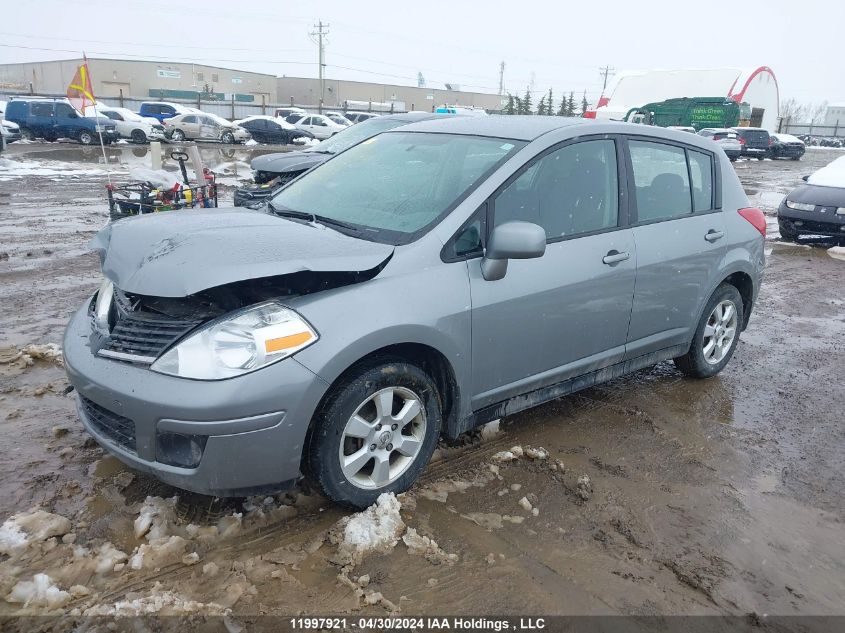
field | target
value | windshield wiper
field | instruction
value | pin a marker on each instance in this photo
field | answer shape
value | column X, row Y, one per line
column 311, row 217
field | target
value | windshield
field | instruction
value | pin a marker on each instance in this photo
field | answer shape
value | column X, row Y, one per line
column 395, row 186
column 355, row 134
column 218, row 119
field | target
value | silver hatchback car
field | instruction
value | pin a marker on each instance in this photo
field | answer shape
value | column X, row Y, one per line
column 423, row 282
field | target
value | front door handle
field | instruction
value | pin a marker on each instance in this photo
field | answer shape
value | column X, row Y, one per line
column 713, row 235
column 614, row 257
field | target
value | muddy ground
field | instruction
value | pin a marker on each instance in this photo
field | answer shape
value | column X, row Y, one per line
column 722, row 496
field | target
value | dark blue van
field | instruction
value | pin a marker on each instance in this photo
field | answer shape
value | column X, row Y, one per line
column 52, row 119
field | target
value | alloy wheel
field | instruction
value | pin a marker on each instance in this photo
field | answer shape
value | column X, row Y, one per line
column 720, row 332
column 382, row 438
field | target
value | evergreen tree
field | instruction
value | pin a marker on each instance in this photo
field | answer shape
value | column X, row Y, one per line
column 570, row 105
column 518, row 102
column 527, row 106
column 561, row 111
column 585, row 105
column 541, row 107
column 550, row 104
column 510, row 109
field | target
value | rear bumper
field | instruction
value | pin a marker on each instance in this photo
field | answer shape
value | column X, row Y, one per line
column 788, row 152
column 252, row 428
column 755, row 152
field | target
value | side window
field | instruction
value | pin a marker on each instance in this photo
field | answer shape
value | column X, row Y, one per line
column 42, row 109
column 701, row 170
column 661, row 179
column 320, row 122
column 64, row 110
column 114, row 116
column 571, row 191
column 189, row 119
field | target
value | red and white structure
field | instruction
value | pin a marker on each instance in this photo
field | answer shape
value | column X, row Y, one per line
column 631, row 89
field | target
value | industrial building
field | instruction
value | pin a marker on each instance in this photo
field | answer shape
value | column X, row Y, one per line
column 835, row 114
column 756, row 86
column 337, row 93
column 145, row 79
column 134, row 80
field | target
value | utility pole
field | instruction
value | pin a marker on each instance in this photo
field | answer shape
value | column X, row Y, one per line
column 605, row 72
column 321, row 59
column 502, row 78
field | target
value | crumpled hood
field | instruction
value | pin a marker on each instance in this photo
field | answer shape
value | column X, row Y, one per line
column 818, row 195
column 288, row 161
column 180, row 253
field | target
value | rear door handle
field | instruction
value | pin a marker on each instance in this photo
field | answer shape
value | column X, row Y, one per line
column 713, row 235
column 614, row 257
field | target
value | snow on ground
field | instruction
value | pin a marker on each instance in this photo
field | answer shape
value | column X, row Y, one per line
column 11, row 169
column 377, row 528
column 307, row 142
column 837, row 252
column 22, row 530
column 39, row 592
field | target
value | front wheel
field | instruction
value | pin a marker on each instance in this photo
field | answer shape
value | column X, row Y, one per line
column 27, row 134
column 178, row 135
column 716, row 336
column 228, row 138
column 374, row 434
column 138, row 136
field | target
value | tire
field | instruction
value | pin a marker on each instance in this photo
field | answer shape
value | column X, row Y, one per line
column 177, row 135
column 695, row 362
column 228, row 138
column 138, row 136
column 86, row 138
column 27, row 134
column 336, row 433
column 796, row 158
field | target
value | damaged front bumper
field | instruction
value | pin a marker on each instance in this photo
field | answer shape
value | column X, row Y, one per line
column 230, row 437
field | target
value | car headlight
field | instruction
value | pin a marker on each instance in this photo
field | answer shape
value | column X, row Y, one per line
column 238, row 344
column 840, row 210
column 800, row 206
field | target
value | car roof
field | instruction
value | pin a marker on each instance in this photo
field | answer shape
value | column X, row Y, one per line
column 718, row 129
column 518, row 127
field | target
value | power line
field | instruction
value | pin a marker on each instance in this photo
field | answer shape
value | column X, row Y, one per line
column 607, row 70
column 321, row 63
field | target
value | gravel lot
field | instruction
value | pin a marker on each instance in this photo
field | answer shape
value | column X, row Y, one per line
column 659, row 495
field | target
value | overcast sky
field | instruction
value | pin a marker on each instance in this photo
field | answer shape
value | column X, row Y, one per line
column 556, row 44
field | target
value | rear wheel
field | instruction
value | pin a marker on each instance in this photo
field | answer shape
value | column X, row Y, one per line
column 716, row 336
column 86, row 138
column 375, row 433
column 138, row 136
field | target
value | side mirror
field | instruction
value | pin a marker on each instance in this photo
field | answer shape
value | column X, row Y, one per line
column 805, row 178
column 511, row 240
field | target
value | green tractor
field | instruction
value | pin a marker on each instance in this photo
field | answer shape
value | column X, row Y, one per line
column 696, row 112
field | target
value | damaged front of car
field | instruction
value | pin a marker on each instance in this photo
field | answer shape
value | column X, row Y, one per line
column 176, row 359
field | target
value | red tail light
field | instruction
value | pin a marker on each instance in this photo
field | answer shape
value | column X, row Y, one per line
column 771, row 140
column 741, row 140
column 756, row 218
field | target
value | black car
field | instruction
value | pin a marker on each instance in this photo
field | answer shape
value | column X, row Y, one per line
column 786, row 146
column 265, row 129
column 818, row 207
column 271, row 171
column 755, row 141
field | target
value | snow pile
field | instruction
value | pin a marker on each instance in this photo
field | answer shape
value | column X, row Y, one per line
column 39, row 592
column 159, row 602
column 108, row 557
column 490, row 430
column 22, row 530
column 14, row 169
column 377, row 528
column 158, row 177
column 49, row 352
column 308, row 142
column 837, row 252
column 251, row 142
column 158, row 553
column 155, row 517
column 426, row 547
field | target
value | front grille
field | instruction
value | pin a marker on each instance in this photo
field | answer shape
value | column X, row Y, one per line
column 810, row 226
column 141, row 335
column 116, row 428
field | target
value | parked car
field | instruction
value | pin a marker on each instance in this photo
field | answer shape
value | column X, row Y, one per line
column 284, row 113
column 129, row 125
column 162, row 110
column 786, row 146
column 204, row 126
column 817, row 207
column 52, row 119
column 425, row 281
column 726, row 138
column 339, row 118
column 272, row 171
column 755, row 141
column 268, row 129
column 11, row 131
column 322, row 127
column 360, row 117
